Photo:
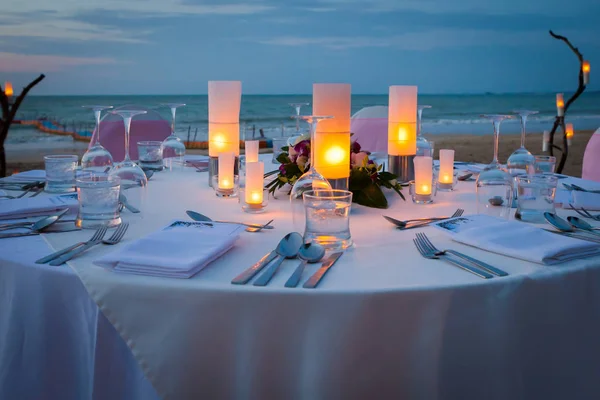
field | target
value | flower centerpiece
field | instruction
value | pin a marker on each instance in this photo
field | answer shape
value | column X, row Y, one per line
column 366, row 177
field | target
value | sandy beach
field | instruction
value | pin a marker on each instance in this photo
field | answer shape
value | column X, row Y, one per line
column 472, row 148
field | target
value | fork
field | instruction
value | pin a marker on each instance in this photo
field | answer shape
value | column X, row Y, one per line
column 90, row 243
column 117, row 235
column 418, row 222
column 589, row 215
column 98, row 235
column 430, row 247
column 431, row 255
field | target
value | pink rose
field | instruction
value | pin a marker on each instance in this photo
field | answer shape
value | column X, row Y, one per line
column 358, row 159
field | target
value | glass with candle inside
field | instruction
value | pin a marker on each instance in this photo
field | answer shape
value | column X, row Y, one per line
column 226, row 183
column 447, row 176
column 254, row 196
column 423, row 188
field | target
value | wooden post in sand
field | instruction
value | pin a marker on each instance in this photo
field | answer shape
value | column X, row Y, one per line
column 9, row 110
column 559, row 121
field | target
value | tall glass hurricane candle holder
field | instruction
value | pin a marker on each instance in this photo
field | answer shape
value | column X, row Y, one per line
column 224, row 101
column 402, row 131
column 332, row 141
column 173, row 148
column 97, row 158
column 133, row 179
column 423, row 146
column 494, row 184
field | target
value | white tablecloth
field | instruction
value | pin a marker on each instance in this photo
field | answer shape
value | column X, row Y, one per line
column 384, row 323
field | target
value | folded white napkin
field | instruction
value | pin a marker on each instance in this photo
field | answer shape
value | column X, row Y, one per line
column 589, row 201
column 41, row 205
column 179, row 251
column 516, row 239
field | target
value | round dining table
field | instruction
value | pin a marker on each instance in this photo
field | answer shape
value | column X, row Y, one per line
column 383, row 323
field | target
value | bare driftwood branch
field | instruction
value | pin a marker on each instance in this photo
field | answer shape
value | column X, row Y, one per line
column 560, row 121
column 8, row 115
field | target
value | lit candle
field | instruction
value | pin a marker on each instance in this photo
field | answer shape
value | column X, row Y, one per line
column 332, row 141
column 560, row 105
column 254, row 184
column 585, row 67
column 402, row 121
column 423, row 175
column 224, row 99
column 569, row 132
column 8, row 89
column 251, row 147
column 446, row 166
column 546, row 141
column 226, row 179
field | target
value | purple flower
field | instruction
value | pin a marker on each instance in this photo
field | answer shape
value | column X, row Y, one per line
column 282, row 169
column 355, row 147
column 303, row 148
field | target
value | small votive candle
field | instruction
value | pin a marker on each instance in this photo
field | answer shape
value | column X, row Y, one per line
column 560, row 105
column 546, row 141
column 585, row 67
column 251, row 147
column 446, row 175
column 227, row 183
column 569, row 132
column 423, row 184
column 254, row 197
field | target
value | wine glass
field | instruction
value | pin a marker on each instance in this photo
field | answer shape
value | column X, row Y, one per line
column 494, row 184
column 297, row 117
column 522, row 161
column 310, row 180
column 97, row 158
column 423, row 146
column 173, row 148
column 133, row 178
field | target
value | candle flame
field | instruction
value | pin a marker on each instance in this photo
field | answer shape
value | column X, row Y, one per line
column 335, row 155
column 225, row 184
column 586, row 66
column 446, row 179
column 569, row 131
column 219, row 141
column 425, row 189
column 402, row 134
column 8, row 89
column 256, row 197
column 560, row 102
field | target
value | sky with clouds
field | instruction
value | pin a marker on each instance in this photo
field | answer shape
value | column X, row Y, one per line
column 280, row 47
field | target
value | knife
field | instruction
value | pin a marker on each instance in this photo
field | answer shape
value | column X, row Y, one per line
column 314, row 280
column 71, row 228
column 248, row 274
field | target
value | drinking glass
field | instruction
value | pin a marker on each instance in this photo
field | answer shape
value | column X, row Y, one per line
column 494, row 184
column 173, row 148
column 297, row 117
column 133, row 179
column 60, row 173
column 545, row 164
column 97, row 158
column 535, row 196
column 98, row 197
column 521, row 161
column 150, row 155
column 423, row 146
column 328, row 218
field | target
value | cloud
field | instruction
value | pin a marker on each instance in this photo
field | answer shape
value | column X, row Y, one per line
column 14, row 62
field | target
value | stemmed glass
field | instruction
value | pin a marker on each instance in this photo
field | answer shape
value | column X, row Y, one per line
column 173, row 148
column 522, row 161
column 423, row 146
column 97, row 158
column 133, row 178
column 494, row 184
column 297, row 117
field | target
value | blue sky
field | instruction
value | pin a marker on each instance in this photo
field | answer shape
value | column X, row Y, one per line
column 176, row 46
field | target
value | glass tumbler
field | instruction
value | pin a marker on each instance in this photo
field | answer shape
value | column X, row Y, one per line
column 98, row 197
column 545, row 164
column 150, row 155
column 535, row 196
column 328, row 218
column 60, row 173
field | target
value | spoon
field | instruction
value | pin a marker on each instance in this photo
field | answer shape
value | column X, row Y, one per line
column 38, row 225
column 309, row 253
column 581, row 224
column 465, row 177
column 288, row 247
column 563, row 225
column 196, row 216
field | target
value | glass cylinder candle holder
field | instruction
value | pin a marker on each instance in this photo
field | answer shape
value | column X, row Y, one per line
column 251, row 150
column 229, row 187
column 254, row 201
column 446, row 173
column 423, row 187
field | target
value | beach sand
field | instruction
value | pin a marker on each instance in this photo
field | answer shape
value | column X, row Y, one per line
column 471, row 148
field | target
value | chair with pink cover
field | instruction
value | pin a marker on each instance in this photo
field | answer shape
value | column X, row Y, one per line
column 370, row 128
column 149, row 126
column 591, row 158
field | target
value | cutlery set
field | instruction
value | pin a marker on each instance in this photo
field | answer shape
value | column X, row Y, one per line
column 419, row 222
column 291, row 246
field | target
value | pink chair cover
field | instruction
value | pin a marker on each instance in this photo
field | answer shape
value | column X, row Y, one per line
column 371, row 133
column 591, row 158
column 112, row 135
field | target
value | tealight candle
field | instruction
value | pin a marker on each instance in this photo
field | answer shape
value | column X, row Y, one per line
column 251, row 147
column 560, row 105
column 254, row 184
column 8, row 89
column 569, row 132
column 423, row 175
column 546, row 141
column 446, row 176
column 585, row 67
column 226, row 161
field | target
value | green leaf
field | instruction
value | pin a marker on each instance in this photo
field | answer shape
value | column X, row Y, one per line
column 370, row 196
column 359, row 179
